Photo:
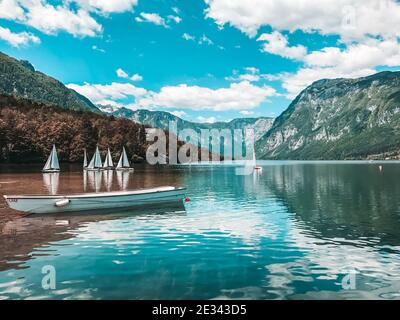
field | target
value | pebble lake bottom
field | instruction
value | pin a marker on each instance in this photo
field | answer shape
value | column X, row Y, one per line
column 296, row 230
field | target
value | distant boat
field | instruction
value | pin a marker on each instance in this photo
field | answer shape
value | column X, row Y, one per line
column 96, row 163
column 52, row 164
column 108, row 162
column 95, row 201
column 257, row 168
column 123, row 163
column 84, row 159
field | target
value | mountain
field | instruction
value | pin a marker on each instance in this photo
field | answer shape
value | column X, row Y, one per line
column 20, row 79
column 339, row 119
column 161, row 120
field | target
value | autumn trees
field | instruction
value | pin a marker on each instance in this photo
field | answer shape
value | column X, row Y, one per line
column 28, row 130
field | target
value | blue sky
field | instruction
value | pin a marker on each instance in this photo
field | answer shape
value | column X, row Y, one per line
column 205, row 60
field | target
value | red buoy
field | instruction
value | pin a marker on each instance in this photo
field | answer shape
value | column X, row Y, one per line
column 187, row 199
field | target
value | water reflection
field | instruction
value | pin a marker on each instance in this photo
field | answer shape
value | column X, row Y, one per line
column 51, row 182
column 108, row 179
column 20, row 237
column 290, row 231
column 343, row 201
column 123, row 179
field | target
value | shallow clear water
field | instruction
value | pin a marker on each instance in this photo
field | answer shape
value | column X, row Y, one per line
column 294, row 231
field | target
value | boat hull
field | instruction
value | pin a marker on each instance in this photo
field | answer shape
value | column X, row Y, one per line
column 95, row 201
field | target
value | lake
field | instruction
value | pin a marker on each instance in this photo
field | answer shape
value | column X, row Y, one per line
column 296, row 230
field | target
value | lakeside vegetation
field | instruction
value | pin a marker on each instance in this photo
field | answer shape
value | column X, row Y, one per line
column 29, row 129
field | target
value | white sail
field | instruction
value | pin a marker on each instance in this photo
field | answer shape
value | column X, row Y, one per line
column 96, row 162
column 52, row 162
column 84, row 159
column 47, row 166
column 125, row 161
column 108, row 163
column 91, row 163
column 119, row 165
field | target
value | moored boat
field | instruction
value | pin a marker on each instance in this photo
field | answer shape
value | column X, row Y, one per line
column 108, row 162
column 123, row 163
column 94, row 201
column 95, row 164
column 52, row 164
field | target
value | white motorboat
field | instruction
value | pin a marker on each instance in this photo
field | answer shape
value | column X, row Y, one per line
column 52, row 164
column 94, row 201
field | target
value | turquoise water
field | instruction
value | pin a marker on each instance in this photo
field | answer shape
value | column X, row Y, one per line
column 293, row 231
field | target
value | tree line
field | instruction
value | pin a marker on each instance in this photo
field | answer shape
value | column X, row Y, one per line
column 29, row 129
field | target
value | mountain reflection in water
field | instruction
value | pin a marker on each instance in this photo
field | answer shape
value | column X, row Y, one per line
column 293, row 231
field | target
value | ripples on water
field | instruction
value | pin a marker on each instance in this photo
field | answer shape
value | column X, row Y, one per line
column 291, row 232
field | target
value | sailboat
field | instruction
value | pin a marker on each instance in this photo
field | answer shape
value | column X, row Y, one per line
column 95, row 164
column 84, row 159
column 123, row 163
column 52, row 164
column 108, row 162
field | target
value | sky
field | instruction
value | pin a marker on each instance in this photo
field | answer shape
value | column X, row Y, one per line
column 203, row 60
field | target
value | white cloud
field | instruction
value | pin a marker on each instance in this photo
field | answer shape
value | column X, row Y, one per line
column 121, row 73
column 96, row 48
column 207, row 119
column 136, row 77
column 356, row 60
column 246, row 113
column 17, row 39
column 277, row 43
column 252, row 75
column 176, row 19
column 107, row 6
column 205, row 40
column 52, row 19
column 179, row 113
column 188, row 37
column 351, row 19
column 152, row 18
column 252, row 70
column 72, row 16
column 10, row 9
column 237, row 96
column 114, row 91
